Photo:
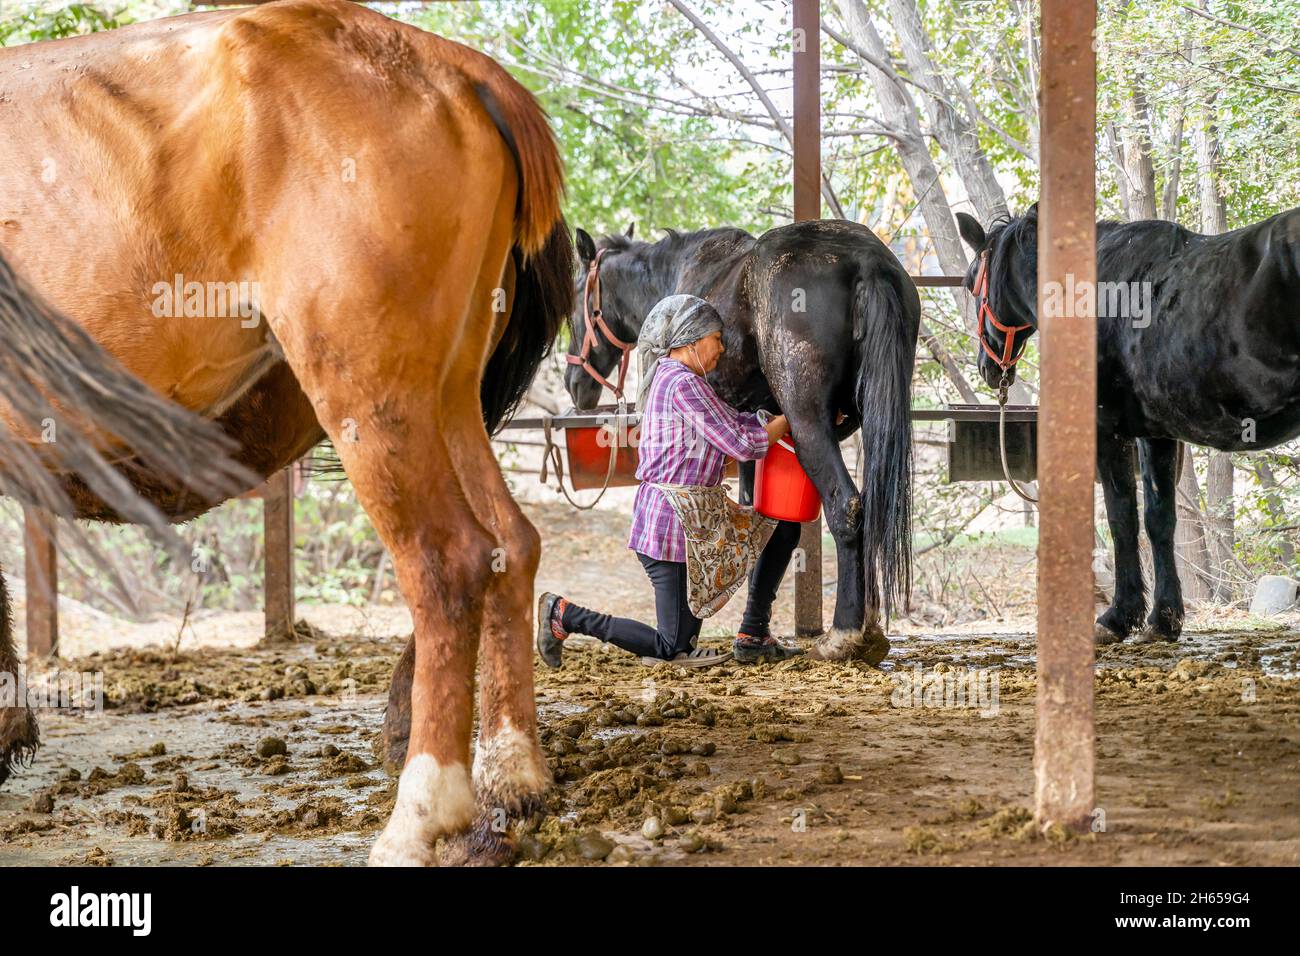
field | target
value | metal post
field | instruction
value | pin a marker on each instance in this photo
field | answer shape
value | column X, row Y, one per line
column 808, row 205
column 277, row 519
column 1063, row 745
column 42, row 570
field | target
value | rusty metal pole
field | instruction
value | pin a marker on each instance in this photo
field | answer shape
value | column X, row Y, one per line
column 41, row 557
column 1063, row 745
column 277, row 522
column 808, row 205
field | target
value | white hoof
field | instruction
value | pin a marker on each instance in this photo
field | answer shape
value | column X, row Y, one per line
column 393, row 849
column 432, row 801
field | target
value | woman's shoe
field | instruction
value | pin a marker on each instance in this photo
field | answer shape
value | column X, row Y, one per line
column 750, row 650
column 700, row 657
column 550, row 645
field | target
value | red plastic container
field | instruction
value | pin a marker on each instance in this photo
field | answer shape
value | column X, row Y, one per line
column 589, row 449
column 781, row 487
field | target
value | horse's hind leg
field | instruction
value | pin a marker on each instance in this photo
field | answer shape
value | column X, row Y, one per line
column 391, row 418
column 1115, row 464
column 510, row 772
column 1160, row 487
column 19, row 736
column 852, row 634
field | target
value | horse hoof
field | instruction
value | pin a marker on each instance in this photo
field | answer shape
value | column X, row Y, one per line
column 1151, row 635
column 395, row 850
column 870, row 647
column 480, row 845
column 1102, row 635
column 19, row 739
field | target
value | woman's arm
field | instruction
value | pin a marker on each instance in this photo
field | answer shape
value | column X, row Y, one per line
column 777, row 428
column 738, row 435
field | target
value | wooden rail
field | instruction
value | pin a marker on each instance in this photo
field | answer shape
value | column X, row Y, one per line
column 42, row 567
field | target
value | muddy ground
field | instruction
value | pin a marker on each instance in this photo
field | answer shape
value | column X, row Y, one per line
column 210, row 755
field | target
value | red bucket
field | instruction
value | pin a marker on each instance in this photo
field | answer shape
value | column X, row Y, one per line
column 589, row 450
column 782, row 489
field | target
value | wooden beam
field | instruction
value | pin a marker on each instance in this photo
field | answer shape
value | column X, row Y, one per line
column 1063, row 745
column 808, row 205
column 277, row 520
column 42, row 571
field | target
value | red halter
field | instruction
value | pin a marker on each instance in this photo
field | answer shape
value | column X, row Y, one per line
column 981, row 292
column 591, row 319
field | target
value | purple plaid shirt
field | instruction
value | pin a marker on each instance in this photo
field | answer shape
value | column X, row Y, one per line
column 687, row 433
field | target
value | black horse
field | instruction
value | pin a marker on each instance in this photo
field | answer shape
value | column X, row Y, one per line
column 1198, row 340
column 819, row 318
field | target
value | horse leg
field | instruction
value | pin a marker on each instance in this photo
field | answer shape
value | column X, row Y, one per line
column 396, row 735
column 852, row 633
column 19, row 735
column 1160, row 486
column 391, row 419
column 1115, row 462
column 510, row 771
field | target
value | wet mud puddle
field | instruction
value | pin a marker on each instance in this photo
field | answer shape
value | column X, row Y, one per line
column 272, row 782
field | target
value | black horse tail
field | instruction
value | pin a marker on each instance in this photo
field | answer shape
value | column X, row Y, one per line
column 544, row 296
column 543, row 250
column 885, row 323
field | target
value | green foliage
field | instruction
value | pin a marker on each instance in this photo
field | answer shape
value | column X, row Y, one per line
column 632, row 154
column 48, row 22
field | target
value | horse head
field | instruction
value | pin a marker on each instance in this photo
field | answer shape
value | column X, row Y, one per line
column 1003, row 278
column 607, row 315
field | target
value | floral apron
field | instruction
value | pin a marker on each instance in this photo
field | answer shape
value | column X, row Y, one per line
column 723, row 540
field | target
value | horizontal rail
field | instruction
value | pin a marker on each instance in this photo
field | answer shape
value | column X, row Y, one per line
column 952, row 413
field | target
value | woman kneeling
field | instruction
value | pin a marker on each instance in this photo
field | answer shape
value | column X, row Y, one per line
column 687, row 434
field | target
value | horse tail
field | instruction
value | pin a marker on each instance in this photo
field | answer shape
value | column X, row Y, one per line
column 543, row 251
column 885, row 323
column 58, row 383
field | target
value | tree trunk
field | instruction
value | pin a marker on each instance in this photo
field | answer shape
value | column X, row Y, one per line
column 956, row 134
column 1219, row 520
column 901, row 114
column 1220, row 508
column 1191, row 553
column 1276, row 511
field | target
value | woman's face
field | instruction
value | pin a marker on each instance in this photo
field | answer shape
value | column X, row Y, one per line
column 709, row 349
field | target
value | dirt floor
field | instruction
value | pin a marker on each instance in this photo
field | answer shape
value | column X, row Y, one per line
column 263, row 755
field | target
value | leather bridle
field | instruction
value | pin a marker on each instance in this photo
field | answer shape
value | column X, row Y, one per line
column 593, row 318
column 981, row 292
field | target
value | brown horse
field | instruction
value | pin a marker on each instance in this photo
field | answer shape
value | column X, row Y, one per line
column 306, row 219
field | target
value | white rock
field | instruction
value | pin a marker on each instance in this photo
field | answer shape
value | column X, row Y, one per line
column 1273, row 594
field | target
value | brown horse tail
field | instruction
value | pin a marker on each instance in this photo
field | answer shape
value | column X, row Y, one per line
column 543, row 252
column 71, row 405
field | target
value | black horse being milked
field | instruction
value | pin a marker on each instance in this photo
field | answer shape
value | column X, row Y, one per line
column 1198, row 340
column 818, row 318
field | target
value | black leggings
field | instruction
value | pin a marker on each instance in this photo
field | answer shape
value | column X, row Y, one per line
column 766, row 577
column 770, row 567
column 677, row 626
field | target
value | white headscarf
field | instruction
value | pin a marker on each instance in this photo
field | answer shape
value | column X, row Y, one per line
column 675, row 321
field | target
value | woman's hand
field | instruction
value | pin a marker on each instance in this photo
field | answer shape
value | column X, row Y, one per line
column 777, row 428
